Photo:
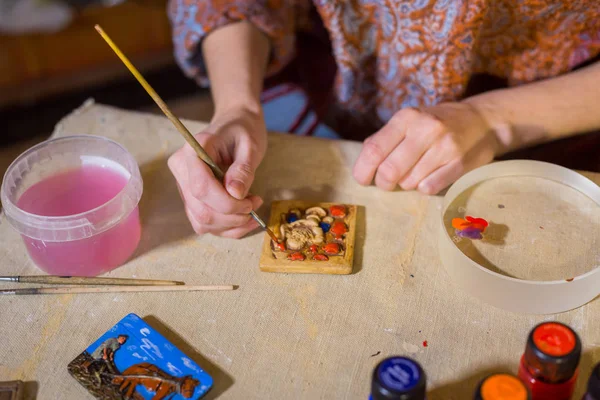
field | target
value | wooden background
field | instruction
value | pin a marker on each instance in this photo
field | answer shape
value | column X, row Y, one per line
column 34, row 66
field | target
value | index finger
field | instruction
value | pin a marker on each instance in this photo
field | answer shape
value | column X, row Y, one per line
column 203, row 186
column 376, row 149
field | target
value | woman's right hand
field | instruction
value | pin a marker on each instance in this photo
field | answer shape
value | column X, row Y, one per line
column 236, row 140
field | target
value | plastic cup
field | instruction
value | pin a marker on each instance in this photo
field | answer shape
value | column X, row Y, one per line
column 88, row 242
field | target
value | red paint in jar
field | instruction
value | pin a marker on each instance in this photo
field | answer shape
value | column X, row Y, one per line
column 549, row 366
column 554, row 339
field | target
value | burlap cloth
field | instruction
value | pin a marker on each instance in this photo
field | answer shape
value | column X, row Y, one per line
column 298, row 336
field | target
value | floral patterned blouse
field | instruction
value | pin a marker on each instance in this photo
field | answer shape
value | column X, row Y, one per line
column 392, row 54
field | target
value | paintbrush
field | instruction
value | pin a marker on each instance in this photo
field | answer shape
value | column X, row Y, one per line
column 83, row 280
column 114, row 289
column 180, row 127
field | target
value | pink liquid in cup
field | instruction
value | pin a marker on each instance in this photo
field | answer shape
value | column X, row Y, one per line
column 73, row 192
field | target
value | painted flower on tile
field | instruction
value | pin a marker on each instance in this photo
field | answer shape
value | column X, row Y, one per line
column 470, row 227
column 315, row 233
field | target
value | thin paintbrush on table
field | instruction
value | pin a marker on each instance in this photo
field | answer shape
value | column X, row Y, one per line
column 83, row 280
column 114, row 289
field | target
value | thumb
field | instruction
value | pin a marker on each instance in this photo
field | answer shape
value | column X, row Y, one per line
column 240, row 175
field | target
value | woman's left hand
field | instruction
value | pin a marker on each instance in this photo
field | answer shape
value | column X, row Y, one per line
column 428, row 149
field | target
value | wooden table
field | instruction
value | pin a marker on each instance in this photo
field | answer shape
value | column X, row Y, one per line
column 279, row 336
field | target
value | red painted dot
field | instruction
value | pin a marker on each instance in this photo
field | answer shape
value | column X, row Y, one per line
column 321, row 257
column 425, row 344
column 296, row 257
column 331, row 248
column 338, row 211
column 338, row 229
column 313, row 249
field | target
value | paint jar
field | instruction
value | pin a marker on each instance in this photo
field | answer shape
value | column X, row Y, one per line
column 74, row 200
column 550, row 364
column 593, row 386
column 502, row 387
column 398, row 378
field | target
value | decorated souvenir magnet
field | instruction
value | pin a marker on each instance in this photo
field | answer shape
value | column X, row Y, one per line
column 133, row 361
column 12, row 390
column 314, row 238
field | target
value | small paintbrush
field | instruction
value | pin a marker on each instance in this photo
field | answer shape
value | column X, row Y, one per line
column 84, row 280
column 114, row 289
column 180, row 127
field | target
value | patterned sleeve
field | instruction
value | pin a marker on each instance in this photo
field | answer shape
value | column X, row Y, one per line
column 192, row 20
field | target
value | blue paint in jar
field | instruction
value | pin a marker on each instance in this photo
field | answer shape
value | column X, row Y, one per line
column 398, row 378
column 593, row 387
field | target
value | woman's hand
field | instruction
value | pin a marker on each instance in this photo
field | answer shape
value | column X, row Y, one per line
column 236, row 140
column 427, row 150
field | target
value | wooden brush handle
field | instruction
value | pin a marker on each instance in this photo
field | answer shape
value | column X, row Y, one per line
column 114, row 289
column 202, row 154
column 82, row 280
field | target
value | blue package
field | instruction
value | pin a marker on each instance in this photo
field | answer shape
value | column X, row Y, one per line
column 133, row 361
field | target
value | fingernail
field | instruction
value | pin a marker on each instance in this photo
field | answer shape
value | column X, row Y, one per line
column 407, row 184
column 236, row 189
column 424, row 187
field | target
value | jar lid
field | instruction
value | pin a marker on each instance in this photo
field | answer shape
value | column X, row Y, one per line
column 502, row 387
column 398, row 378
column 553, row 352
column 593, row 387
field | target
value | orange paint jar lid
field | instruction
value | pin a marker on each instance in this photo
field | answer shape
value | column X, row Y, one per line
column 502, row 387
